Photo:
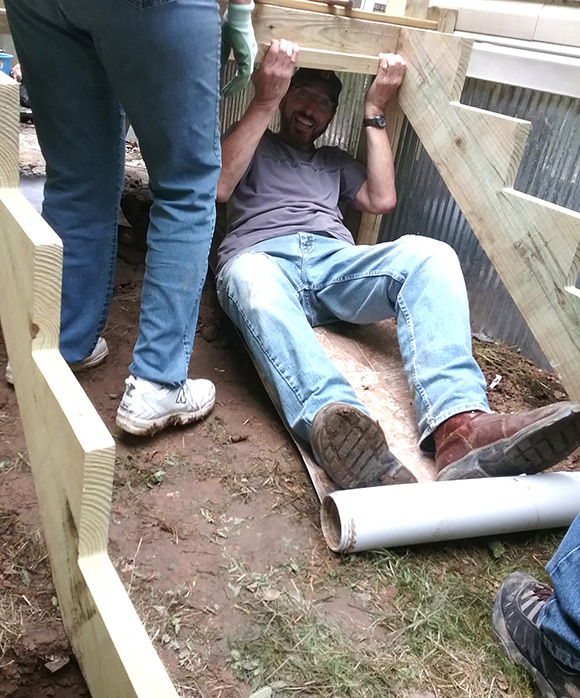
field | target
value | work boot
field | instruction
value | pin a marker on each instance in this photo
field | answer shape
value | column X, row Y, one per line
column 477, row 444
column 514, row 625
column 352, row 448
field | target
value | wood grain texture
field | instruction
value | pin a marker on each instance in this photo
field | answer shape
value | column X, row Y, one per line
column 534, row 245
column 9, row 130
column 323, row 32
column 329, row 60
column 446, row 18
column 350, row 14
column 72, row 457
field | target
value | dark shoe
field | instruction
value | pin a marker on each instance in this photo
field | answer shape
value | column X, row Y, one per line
column 353, row 450
column 477, row 444
column 514, row 626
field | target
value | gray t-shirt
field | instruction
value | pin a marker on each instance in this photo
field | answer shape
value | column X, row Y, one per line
column 286, row 191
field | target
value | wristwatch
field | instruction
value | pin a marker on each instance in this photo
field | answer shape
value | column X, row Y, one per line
column 377, row 121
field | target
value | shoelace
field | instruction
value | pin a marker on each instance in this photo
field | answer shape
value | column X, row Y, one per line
column 543, row 592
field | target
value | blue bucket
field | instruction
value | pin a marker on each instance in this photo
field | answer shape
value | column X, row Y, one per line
column 6, row 62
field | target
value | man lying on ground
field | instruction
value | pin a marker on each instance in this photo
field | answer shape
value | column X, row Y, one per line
column 288, row 264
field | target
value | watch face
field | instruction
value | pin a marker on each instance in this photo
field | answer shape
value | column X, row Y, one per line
column 377, row 121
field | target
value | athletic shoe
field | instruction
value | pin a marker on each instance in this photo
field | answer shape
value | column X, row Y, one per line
column 148, row 407
column 477, row 444
column 352, row 448
column 96, row 357
column 514, row 626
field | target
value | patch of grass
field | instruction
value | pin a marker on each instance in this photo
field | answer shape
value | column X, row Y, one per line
column 428, row 626
column 11, row 623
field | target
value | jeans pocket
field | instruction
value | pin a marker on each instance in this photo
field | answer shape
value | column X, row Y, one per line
column 145, row 4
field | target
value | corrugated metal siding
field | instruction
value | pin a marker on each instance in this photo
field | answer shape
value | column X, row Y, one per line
column 550, row 170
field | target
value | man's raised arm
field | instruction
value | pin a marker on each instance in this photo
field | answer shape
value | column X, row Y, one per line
column 271, row 82
column 378, row 195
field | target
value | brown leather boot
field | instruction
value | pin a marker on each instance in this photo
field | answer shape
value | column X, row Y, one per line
column 477, row 444
column 353, row 450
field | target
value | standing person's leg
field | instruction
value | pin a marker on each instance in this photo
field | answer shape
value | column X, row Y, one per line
column 559, row 620
column 161, row 59
column 79, row 127
column 262, row 292
column 539, row 628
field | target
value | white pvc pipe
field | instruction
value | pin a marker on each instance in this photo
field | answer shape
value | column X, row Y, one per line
column 382, row 517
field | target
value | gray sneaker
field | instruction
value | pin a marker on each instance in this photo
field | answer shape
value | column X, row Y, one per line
column 96, row 357
column 148, row 407
column 514, row 626
column 352, row 448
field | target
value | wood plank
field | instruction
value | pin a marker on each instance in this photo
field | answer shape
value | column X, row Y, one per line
column 446, row 18
column 351, row 14
column 329, row 60
column 323, row 32
column 73, row 474
column 9, row 130
column 534, row 245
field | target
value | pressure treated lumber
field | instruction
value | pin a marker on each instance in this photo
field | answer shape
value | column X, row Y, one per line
column 324, row 32
column 71, row 452
column 534, row 245
column 9, row 108
column 333, row 11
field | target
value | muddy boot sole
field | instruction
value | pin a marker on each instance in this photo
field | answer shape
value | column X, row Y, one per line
column 532, row 450
column 352, row 449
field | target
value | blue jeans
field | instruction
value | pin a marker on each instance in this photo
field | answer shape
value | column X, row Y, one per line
column 277, row 290
column 82, row 59
column 559, row 620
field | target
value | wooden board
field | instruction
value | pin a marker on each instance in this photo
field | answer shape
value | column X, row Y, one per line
column 402, row 13
column 324, row 32
column 534, row 245
column 71, row 453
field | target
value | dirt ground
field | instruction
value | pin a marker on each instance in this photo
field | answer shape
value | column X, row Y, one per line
column 200, row 516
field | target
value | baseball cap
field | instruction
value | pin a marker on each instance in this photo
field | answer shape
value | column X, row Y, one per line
column 304, row 76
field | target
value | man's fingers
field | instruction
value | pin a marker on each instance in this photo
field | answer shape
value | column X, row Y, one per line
column 287, row 51
column 391, row 67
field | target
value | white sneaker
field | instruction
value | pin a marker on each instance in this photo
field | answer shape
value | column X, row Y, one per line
column 97, row 356
column 147, row 407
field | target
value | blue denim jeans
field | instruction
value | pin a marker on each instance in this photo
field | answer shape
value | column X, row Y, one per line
column 559, row 620
column 159, row 59
column 279, row 289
